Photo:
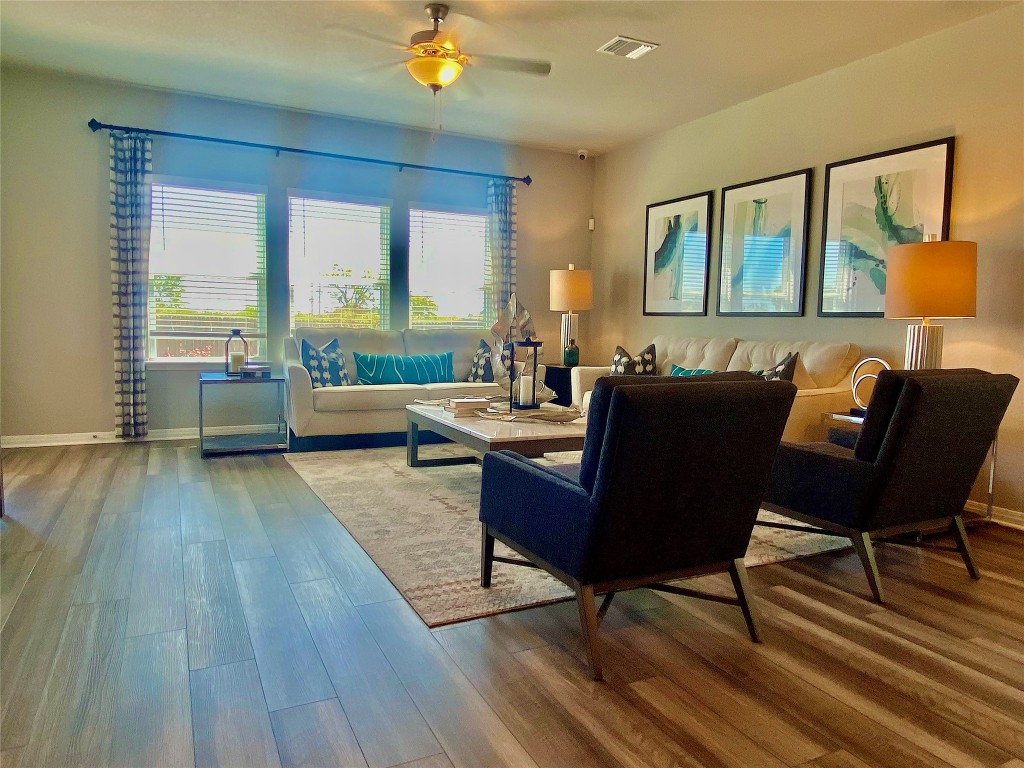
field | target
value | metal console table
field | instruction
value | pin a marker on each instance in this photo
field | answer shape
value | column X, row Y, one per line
column 248, row 442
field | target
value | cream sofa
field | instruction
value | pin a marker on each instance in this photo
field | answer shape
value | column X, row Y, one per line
column 361, row 409
column 822, row 372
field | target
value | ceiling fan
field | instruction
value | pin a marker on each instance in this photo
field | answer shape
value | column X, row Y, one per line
column 437, row 61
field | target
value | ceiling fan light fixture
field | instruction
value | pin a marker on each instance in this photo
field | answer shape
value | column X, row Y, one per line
column 434, row 72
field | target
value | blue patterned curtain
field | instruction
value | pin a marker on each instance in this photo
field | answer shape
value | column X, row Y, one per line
column 501, row 207
column 131, row 168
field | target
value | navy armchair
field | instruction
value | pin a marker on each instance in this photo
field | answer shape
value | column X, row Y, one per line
column 911, row 468
column 669, row 486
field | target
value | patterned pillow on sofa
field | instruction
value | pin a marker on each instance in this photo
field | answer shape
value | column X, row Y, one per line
column 326, row 364
column 783, row 370
column 481, row 369
column 623, row 364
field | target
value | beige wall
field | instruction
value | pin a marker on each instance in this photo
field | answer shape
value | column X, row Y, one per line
column 57, row 360
column 967, row 81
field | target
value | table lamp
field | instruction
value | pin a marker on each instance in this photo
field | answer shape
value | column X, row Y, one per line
column 934, row 279
column 571, row 290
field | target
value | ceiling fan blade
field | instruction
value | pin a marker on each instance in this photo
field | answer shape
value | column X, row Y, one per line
column 362, row 34
column 510, row 64
column 390, row 69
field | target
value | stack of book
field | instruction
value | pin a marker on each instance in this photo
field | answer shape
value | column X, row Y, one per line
column 465, row 406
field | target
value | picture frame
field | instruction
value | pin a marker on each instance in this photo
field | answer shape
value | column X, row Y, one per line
column 871, row 203
column 677, row 256
column 762, row 248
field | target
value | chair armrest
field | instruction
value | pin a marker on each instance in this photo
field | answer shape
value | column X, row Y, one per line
column 300, row 397
column 583, row 378
column 536, row 507
column 822, row 484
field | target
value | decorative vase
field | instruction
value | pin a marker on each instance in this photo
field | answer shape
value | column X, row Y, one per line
column 571, row 354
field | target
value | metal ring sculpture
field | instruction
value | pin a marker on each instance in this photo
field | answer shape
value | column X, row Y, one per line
column 856, row 381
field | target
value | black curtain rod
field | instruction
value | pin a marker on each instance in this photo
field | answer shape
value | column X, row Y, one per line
column 96, row 125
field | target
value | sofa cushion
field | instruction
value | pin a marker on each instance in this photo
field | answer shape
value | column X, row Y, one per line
column 820, row 364
column 359, row 398
column 326, row 364
column 644, row 364
column 365, row 340
column 462, row 343
column 404, row 369
column 694, row 352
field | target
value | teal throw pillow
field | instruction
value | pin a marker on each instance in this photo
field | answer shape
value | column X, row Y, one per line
column 481, row 370
column 326, row 364
column 677, row 371
column 404, row 369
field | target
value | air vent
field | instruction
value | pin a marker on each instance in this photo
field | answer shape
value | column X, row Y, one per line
column 628, row 47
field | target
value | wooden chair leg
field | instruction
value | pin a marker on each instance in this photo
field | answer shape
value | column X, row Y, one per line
column 738, row 573
column 960, row 534
column 605, row 604
column 588, row 622
column 486, row 556
column 862, row 543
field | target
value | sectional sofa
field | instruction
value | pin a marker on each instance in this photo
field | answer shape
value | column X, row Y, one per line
column 822, row 372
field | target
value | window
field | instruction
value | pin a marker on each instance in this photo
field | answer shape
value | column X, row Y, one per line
column 449, row 270
column 339, row 263
column 207, row 271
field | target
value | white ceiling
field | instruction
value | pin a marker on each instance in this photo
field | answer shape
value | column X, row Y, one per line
column 298, row 55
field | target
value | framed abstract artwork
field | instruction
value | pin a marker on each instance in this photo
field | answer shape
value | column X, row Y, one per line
column 872, row 203
column 677, row 250
column 763, row 246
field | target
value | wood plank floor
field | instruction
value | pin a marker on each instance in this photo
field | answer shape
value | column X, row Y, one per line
column 160, row 610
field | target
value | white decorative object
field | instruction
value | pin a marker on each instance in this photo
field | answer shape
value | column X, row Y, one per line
column 526, row 390
column 857, row 378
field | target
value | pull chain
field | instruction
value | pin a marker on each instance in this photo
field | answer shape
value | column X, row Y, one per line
column 438, row 112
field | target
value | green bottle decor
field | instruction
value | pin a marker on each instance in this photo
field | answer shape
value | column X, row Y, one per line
column 571, row 354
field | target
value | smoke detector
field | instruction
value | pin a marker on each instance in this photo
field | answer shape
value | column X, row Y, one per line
column 628, row 47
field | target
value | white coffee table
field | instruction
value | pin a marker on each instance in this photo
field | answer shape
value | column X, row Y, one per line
column 481, row 435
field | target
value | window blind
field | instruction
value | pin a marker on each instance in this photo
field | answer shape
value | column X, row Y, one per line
column 339, row 256
column 207, row 270
column 450, row 274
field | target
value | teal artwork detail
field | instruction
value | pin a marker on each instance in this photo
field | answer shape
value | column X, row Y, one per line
column 404, row 369
column 326, row 364
column 678, row 371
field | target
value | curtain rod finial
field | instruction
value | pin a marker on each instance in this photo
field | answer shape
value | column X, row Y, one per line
column 527, row 180
column 95, row 125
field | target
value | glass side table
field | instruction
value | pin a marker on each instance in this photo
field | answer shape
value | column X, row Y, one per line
column 848, row 418
column 251, row 442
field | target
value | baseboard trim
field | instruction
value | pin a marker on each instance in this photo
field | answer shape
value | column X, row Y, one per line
column 155, row 435
column 1011, row 518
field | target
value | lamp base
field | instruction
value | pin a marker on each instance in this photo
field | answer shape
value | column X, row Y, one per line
column 924, row 347
column 570, row 327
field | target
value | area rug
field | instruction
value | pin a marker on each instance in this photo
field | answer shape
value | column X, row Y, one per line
column 421, row 528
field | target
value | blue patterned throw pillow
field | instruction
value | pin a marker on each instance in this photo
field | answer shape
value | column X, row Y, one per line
column 326, row 364
column 481, row 370
column 404, row 369
column 677, row 371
